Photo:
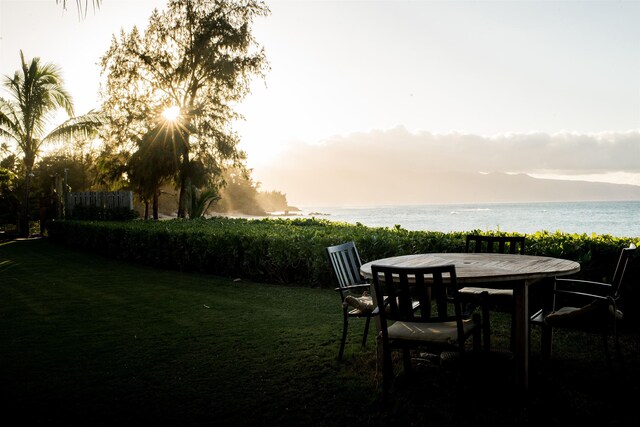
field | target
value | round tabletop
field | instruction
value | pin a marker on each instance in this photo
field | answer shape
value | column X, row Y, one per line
column 484, row 267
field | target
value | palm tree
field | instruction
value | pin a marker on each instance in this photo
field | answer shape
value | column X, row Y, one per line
column 96, row 5
column 36, row 93
column 201, row 201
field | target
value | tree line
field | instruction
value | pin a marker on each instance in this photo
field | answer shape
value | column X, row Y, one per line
column 163, row 129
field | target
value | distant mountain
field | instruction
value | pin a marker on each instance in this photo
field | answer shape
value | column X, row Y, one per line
column 500, row 187
column 369, row 187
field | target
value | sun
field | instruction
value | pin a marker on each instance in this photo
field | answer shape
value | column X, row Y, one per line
column 171, row 114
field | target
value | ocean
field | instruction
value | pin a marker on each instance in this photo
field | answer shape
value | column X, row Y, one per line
column 619, row 219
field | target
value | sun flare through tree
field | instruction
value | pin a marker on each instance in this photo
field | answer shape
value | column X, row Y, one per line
column 171, row 114
column 197, row 57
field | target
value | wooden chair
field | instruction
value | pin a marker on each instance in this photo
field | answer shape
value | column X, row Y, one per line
column 485, row 297
column 587, row 306
column 437, row 324
column 353, row 289
column 476, row 243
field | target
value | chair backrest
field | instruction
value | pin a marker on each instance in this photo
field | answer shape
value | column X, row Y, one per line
column 495, row 244
column 346, row 263
column 435, row 288
column 621, row 267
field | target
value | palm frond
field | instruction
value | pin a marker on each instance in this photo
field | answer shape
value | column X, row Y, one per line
column 37, row 92
column 200, row 203
column 51, row 88
column 10, row 123
column 81, row 6
column 85, row 126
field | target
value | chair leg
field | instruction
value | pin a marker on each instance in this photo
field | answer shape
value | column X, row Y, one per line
column 512, row 338
column 477, row 333
column 366, row 333
column 468, row 309
column 605, row 341
column 406, row 359
column 546, row 338
column 486, row 325
column 345, row 327
column 387, row 372
column 618, row 350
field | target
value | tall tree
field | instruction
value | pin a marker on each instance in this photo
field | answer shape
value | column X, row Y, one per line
column 197, row 57
column 36, row 92
column 155, row 161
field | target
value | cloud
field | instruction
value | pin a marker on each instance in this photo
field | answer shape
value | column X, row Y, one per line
column 379, row 164
column 568, row 153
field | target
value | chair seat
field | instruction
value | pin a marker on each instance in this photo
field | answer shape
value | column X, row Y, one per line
column 600, row 315
column 579, row 317
column 467, row 290
column 361, row 305
column 445, row 333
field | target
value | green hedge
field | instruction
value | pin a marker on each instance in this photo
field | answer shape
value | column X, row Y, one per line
column 293, row 250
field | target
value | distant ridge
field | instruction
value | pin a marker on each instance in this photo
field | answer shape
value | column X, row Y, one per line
column 370, row 186
column 500, row 187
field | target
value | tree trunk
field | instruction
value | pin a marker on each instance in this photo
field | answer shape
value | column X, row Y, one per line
column 24, row 218
column 156, row 196
column 146, row 209
column 24, row 215
column 185, row 184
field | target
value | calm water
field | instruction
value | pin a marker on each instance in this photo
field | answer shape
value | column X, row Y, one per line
column 621, row 219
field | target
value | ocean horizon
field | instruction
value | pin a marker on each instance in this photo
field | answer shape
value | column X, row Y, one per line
column 618, row 218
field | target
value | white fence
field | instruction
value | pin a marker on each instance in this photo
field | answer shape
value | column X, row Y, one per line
column 102, row 199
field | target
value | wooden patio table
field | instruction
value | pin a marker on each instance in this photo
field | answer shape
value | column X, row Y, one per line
column 499, row 271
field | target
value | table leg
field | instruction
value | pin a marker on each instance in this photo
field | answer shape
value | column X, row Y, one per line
column 521, row 326
column 376, row 320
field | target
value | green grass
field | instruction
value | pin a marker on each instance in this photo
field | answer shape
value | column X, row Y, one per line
column 86, row 340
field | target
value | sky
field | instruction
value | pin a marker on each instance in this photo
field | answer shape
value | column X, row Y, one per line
column 546, row 88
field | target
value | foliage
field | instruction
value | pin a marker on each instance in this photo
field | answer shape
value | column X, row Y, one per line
column 239, row 194
column 82, row 8
column 36, row 93
column 201, row 201
column 8, row 197
column 91, row 213
column 79, row 172
column 274, row 201
column 197, row 55
column 155, row 162
column 293, row 250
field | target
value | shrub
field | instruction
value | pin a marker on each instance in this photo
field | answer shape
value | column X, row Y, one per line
column 293, row 250
column 103, row 214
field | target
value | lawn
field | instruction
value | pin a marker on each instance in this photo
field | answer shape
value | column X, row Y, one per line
column 89, row 341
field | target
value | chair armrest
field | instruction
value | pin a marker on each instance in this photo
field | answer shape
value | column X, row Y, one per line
column 352, row 287
column 582, row 286
column 583, row 282
column 537, row 318
column 583, row 294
